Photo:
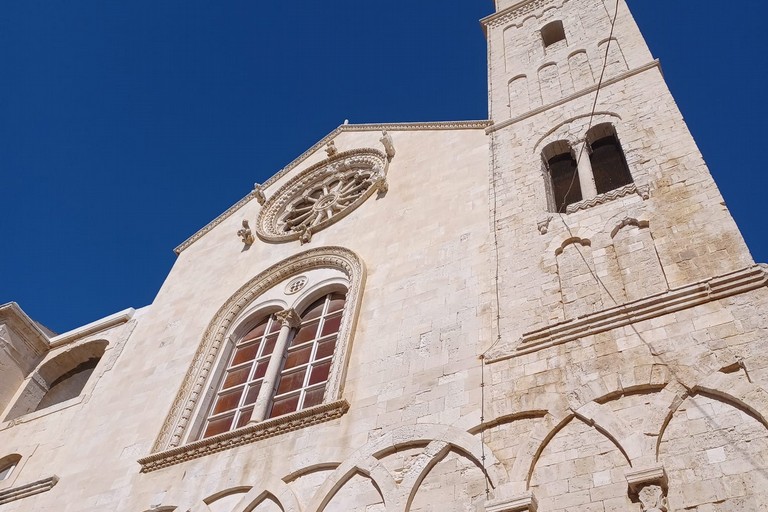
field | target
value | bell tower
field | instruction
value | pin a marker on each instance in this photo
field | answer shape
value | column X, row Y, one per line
column 596, row 178
column 620, row 280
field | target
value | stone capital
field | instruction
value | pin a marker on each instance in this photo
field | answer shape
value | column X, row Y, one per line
column 288, row 317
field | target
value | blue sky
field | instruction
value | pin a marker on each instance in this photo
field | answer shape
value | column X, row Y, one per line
column 126, row 126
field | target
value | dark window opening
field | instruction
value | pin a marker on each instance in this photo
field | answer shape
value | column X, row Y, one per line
column 552, row 33
column 564, row 173
column 609, row 167
column 69, row 385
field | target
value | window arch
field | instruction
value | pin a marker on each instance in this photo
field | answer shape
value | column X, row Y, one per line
column 307, row 363
column 327, row 270
column 609, row 166
column 563, row 174
column 280, row 363
column 59, row 379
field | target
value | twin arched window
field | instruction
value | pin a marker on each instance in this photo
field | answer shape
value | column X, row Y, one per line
column 280, row 365
column 583, row 172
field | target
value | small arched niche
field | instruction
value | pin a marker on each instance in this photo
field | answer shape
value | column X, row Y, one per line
column 59, row 379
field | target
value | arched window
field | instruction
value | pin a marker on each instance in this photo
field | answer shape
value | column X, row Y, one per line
column 563, row 174
column 280, row 365
column 59, row 379
column 308, row 359
column 609, row 167
column 242, row 380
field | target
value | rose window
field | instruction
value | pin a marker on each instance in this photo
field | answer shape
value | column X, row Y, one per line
column 322, row 194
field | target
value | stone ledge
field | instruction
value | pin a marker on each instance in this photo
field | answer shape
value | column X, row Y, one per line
column 24, row 491
column 653, row 306
column 246, row 435
column 521, row 503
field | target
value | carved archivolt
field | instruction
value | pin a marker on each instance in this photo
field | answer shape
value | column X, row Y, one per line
column 174, row 430
column 322, row 194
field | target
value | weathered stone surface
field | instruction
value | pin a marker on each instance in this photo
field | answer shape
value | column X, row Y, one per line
column 496, row 354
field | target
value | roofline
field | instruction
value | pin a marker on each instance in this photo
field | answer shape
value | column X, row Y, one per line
column 436, row 125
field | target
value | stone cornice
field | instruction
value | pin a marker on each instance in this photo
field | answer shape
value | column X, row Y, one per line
column 105, row 323
column 249, row 434
column 24, row 491
column 390, row 127
column 12, row 315
column 654, row 306
column 514, row 11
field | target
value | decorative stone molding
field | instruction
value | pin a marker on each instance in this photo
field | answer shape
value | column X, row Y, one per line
column 607, row 197
column 259, row 194
column 514, row 12
column 649, row 487
column 521, row 503
column 193, row 387
column 322, row 194
column 251, row 433
column 655, row 64
column 289, row 317
column 653, row 306
column 389, row 147
column 25, row 491
column 245, row 234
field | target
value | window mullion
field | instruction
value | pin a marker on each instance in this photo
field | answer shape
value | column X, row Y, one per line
column 586, row 177
column 288, row 319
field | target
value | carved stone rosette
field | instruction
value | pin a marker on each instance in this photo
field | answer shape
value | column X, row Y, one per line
column 321, row 195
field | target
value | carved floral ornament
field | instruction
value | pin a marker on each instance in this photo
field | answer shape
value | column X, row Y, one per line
column 324, row 193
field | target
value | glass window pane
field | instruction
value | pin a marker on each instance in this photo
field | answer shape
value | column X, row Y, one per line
column 235, row 377
column 252, row 394
column 306, row 333
column 245, row 417
column 314, row 311
column 218, row 426
column 314, row 397
column 261, row 369
column 325, row 348
column 320, row 373
column 336, row 303
column 291, row 381
column 256, row 332
column 284, row 405
column 331, row 325
column 269, row 344
column 228, row 401
column 274, row 326
column 247, row 353
column 298, row 357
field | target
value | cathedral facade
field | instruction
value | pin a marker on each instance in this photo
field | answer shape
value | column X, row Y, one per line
column 551, row 310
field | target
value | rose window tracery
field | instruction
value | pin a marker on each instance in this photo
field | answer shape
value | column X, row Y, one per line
column 322, row 194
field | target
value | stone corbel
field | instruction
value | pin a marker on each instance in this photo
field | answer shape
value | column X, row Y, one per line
column 643, row 191
column 258, row 193
column 525, row 502
column 649, row 487
column 543, row 224
column 245, row 234
column 305, row 235
column 389, row 147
